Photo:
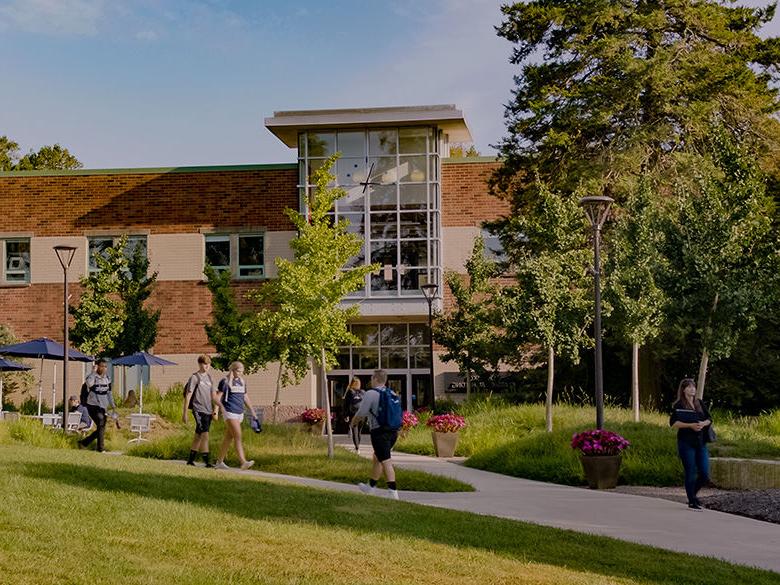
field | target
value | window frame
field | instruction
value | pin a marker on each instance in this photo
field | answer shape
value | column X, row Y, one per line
column 234, row 267
column 4, row 281
column 114, row 241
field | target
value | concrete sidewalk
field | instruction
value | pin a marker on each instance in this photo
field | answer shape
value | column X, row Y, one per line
column 640, row 519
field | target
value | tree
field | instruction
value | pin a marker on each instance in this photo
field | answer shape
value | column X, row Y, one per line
column 139, row 330
column 723, row 251
column 550, row 304
column 100, row 315
column 626, row 86
column 633, row 268
column 53, row 157
column 309, row 288
column 471, row 331
column 111, row 319
column 460, row 150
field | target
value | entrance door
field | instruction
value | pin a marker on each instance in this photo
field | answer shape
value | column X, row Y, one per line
column 398, row 384
column 337, row 386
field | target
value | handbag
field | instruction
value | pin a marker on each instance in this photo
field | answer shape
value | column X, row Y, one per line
column 709, row 434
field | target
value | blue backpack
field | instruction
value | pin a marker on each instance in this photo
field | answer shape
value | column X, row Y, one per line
column 389, row 412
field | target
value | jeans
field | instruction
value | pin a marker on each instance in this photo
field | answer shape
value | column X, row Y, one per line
column 355, row 433
column 696, row 463
column 98, row 415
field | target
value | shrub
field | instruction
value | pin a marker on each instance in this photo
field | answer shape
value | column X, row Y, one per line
column 313, row 415
column 409, row 421
column 168, row 405
column 30, row 406
column 444, row 406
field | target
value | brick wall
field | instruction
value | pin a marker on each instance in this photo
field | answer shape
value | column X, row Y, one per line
column 465, row 197
column 170, row 202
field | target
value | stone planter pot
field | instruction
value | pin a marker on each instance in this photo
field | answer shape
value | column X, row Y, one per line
column 601, row 471
column 317, row 428
column 444, row 443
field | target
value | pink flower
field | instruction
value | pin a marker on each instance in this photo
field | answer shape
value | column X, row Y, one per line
column 597, row 442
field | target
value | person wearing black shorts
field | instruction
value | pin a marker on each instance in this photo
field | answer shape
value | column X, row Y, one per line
column 199, row 397
column 382, row 440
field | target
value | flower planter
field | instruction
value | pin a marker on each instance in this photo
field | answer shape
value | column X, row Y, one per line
column 601, row 471
column 444, row 443
column 317, row 428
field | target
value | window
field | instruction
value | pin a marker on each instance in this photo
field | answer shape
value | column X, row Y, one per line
column 15, row 260
column 98, row 245
column 391, row 180
column 392, row 346
column 241, row 254
column 494, row 249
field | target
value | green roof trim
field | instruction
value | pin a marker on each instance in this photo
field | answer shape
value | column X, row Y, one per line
column 152, row 170
column 470, row 159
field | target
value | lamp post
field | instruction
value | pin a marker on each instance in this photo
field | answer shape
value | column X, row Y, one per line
column 597, row 209
column 65, row 256
column 429, row 292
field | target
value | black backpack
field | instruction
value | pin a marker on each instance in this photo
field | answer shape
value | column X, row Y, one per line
column 83, row 394
column 355, row 398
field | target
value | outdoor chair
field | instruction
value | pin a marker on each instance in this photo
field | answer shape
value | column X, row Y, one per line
column 9, row 416
column 74, row 422
column 52, row 420
column 140, row 423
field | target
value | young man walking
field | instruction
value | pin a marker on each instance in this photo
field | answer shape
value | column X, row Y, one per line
column 199, row 397
column 383, row 437
column 99, row 399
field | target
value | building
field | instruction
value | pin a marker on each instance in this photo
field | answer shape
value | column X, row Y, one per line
column 417, row 209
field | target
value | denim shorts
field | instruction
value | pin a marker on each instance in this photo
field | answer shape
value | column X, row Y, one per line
column 202, row 422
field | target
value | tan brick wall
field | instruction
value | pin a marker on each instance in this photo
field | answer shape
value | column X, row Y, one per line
column 44, row 265
column 176, row 256
column 457, row 243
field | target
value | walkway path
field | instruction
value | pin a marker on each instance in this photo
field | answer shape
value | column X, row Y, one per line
column 651, row 521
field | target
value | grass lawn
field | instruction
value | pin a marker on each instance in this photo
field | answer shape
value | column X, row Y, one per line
column 512, row 440
column 81, row 517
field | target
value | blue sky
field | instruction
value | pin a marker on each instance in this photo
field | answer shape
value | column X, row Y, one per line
column 128, row 83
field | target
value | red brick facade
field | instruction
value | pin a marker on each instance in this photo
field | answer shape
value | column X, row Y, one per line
column 172, row 202
column 465, row 200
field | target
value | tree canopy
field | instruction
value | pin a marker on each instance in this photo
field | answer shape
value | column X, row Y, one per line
column 54, row 157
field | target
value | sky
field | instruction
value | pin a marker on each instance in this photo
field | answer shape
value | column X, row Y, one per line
column 159, row 83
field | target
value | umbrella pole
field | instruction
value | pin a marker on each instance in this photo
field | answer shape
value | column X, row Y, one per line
column 54, row 388
column 141, row 394
column 1, row 394
column 40, row 389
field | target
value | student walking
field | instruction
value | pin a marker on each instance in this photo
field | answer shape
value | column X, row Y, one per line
column 352, row 399
column 200, row 397
column 382, row 407
column 99, row 399
column 232, row 398
column 691, row 419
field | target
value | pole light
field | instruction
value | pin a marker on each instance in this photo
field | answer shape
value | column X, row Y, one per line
column 65, row 256
column 597, row 209
column 429, row 292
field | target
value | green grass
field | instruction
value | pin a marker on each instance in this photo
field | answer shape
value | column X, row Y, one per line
column 290, row 450
column 512, row 440
column 79, row 517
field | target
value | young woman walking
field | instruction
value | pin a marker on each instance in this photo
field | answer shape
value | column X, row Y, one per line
column 691, row 418
column 352, row 399
column 233, row 398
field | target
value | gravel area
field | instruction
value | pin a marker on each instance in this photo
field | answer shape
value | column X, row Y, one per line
column 758, row 504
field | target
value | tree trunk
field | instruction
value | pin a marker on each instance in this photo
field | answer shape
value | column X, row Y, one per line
column 705, row 353
column 326, row 402
column 278, row 392
column 468, row 384
column 635, row 380
column 705, row 359
column 549, row 401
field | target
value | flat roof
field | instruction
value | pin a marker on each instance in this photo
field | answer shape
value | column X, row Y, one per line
column 286, row 125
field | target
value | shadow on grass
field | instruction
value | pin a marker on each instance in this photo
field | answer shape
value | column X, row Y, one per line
column 257, row 499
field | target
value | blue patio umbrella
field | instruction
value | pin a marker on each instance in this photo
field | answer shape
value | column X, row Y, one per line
column 141, row 358
column 9, row 366
column 45, row 349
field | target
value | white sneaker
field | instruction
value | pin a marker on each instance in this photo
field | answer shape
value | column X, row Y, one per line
column 247, row 464
column 221, row 465
column 392, row 494
column 367, row 489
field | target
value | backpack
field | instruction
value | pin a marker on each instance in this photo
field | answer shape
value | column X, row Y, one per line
column 188, row 389
column 83, row 394
column 389, row 413
column 354, row 401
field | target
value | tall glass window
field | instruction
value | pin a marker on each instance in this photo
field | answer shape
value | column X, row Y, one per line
column 391, row 179
column 15, row 260
column 391, row 346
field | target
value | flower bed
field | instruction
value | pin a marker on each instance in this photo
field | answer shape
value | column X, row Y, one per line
column 599, row 442
column 409, row 421
column 446, row 423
